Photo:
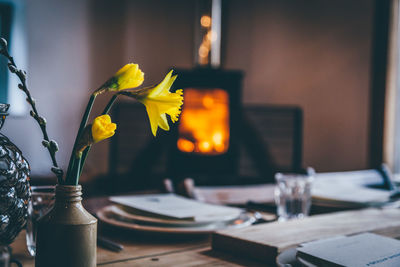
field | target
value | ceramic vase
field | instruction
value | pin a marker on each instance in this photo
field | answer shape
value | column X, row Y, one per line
column 67, row 234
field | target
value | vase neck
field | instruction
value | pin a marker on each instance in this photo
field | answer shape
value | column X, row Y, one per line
column 68, row 193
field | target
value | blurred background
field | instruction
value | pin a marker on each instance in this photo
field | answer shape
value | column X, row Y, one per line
column 312, row 54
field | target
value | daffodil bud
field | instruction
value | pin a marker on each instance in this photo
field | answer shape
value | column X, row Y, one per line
column 102, row 128
column 129, row 76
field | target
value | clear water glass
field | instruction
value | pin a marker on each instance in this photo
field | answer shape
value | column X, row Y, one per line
column 41, row 201
column 293, row 195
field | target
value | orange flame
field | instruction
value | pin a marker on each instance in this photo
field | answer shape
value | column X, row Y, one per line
column 204, row 125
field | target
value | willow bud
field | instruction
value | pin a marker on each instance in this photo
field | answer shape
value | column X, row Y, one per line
column 12, row 68
column 3, row 43
column 54, row 145
column 45, row 143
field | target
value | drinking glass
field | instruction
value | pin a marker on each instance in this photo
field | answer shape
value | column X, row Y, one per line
column 293, row 195
column 41, row 201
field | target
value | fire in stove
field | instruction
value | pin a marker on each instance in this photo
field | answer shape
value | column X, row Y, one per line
column 204, row 125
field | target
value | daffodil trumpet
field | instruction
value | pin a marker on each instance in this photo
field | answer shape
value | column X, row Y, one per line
column 159, row 102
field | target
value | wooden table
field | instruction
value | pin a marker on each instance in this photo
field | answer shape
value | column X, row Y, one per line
column 143, row 250
column 147, row 249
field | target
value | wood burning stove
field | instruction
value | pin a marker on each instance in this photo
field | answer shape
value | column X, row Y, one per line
column 205, row 138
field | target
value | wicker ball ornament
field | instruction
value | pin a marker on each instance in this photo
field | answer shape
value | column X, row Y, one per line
column 15, row 190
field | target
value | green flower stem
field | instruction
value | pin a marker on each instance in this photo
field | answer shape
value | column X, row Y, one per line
column 76, row 169
column 86, row 151
column 110, row 104
column 72, row 178
column 83, row 158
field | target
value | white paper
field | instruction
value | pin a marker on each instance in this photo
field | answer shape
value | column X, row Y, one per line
column 178, row 207
column 349, row 187
column 359, row 178
column 236, row 195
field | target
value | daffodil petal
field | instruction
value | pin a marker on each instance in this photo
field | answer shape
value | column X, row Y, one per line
column 129, row 76
column 169, row 84
column 152, row 112
column 125, row 68
column 162, row 85
column 163, row 122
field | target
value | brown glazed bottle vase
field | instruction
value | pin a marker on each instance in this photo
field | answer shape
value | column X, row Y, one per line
column 66, row 235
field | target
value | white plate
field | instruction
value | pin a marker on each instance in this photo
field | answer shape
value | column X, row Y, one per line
column 174, row 207
column 140, row 219
column 107, row 215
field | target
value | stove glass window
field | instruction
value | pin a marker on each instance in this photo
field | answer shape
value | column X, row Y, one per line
column 204, row 123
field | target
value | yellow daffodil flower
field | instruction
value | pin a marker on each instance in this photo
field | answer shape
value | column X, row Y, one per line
column 102, row 128
column 159, row 101
column 129, row 76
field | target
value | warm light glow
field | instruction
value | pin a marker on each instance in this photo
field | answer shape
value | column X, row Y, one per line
column 217, row 138
column 205, row 21
column 204, row 123
column 208, row 101
column 220, row 148
column 203, row 51
column 185, row 145
column 208, row 37
column 205, row 147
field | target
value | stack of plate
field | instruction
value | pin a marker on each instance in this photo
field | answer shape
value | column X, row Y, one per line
column 117, row 216
column 130, row 215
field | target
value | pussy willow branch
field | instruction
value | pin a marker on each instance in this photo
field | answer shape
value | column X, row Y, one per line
column 51, row 145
